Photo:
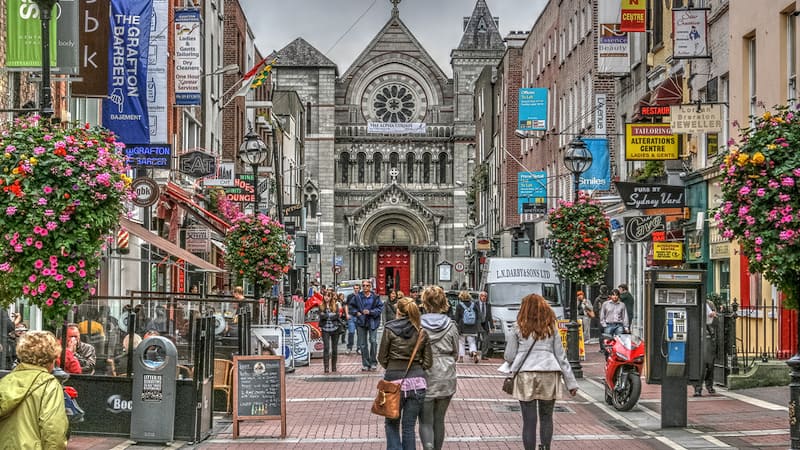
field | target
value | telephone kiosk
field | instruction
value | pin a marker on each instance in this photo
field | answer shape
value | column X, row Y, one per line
column 674, row 320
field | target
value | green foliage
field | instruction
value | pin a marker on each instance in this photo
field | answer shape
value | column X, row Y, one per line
column 760, row 199
column 258, row 249
column 579, row 232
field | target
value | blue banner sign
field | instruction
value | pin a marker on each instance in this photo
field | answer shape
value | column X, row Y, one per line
column 531, row 189
column 598, row 176
column 532, row 109
column 149, row 156
column 125, row 107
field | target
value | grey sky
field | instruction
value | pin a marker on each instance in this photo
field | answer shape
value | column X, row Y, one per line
column 435, row 23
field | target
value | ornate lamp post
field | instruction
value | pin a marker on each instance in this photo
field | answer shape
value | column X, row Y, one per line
column 45, row 95
column 577, row 159
column 254, row 152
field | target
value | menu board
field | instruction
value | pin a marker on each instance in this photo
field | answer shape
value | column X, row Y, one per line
column 259, row 390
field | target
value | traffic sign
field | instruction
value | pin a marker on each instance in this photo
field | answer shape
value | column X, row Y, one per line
column 459, row 266
column 337, row 269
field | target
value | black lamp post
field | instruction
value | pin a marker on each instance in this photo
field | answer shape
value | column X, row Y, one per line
column 577, row 159
column 254, row 152
column 45, row 93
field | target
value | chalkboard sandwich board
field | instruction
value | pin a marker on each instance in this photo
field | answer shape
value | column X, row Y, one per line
column 259, row 390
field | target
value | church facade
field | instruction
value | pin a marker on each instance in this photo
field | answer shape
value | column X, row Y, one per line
column 388, row 152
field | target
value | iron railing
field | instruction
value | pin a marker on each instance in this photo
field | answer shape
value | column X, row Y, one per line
column 764, row 331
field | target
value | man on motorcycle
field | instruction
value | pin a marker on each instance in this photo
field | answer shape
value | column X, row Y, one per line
column 613, row 315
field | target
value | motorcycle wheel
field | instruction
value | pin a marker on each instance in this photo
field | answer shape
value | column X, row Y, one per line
column 626, row 399
column 609, row 400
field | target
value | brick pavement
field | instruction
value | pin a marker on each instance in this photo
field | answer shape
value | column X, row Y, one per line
column 332, row 412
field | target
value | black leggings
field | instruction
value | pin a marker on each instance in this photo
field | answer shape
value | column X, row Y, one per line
column 529, row 419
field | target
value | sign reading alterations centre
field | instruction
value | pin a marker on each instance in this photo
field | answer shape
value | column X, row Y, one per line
column 650, row 141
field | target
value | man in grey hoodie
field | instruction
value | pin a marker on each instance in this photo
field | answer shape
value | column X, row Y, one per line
column 443, row 335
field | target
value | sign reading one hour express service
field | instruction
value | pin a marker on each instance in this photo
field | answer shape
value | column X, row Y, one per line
column 650, row 141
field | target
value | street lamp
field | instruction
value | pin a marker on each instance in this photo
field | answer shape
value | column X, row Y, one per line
column 577, row 159
column 254, row 152
column 45, row 95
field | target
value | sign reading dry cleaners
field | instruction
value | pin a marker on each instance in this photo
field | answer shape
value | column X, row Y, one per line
column 650, row 196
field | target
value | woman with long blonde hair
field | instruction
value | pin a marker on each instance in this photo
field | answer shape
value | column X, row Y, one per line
column 535, row 353
column 331, row 314
column 397, row 345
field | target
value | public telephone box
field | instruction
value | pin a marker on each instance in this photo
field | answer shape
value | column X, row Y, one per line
column 674, row 321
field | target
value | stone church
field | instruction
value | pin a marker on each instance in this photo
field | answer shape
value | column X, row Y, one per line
column 388, row 204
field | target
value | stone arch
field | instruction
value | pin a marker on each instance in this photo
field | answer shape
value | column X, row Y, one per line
column 370, row 232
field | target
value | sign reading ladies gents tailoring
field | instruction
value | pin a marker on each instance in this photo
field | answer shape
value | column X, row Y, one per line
column 649, row 196
column 650, row 141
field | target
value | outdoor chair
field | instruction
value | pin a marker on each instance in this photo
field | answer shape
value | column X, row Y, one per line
column 223, row 374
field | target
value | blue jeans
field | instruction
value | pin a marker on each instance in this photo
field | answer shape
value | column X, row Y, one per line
column 410, row 409
column 368, row 358
column 351, row 332
column 614, row 328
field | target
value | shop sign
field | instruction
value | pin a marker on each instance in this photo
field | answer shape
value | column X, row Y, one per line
column 197, row 164
column 654, row 111
column 668, row 251
column 640, row 228
column 483, row 245
column 650, row 196
column 146, row 190
column 650, row 141
column 695, row 119
column 633, row 16
column 198, row 240
column 720, row 250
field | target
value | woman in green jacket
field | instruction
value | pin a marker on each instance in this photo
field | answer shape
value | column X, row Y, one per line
column 32, row 414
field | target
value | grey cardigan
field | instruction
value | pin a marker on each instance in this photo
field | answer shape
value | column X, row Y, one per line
column 547, row 355
column 443, row 334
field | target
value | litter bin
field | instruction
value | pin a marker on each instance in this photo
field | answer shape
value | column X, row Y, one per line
column 154, row 382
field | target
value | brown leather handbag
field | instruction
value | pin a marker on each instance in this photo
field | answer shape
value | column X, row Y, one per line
column 387, row 401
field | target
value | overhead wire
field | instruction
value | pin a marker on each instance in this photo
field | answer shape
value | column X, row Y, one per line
column 351, row 26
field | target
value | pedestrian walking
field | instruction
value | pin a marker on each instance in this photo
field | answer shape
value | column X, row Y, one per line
column 390, row 307
column 468, row 321
column 331, row 315
column 626, row 298
column 342, row 302
column 709, row 352
column 487, row 323
column 534, row 352
column 32, row 413
column 368, row 308
column 397, row 346
column 595, row 322
column 351, row 319
column 444, row 336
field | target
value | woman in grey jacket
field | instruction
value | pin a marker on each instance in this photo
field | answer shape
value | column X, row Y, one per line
column 537, row 385
column 443, row 334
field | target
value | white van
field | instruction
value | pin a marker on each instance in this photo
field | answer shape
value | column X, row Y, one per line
column 508, row 281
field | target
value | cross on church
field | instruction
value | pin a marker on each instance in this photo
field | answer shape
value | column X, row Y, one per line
column 394, row 172
column 395, row 3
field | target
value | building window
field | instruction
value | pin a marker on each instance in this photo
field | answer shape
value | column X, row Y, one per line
column 791, row 57
column 362, row 166
column 657, row 14
column 344, row 167
column 426, row 167
column 410, row 167
column 394, row 103
column 751, row 74
column 394, row 160
column 377, row 160
column 442, row 168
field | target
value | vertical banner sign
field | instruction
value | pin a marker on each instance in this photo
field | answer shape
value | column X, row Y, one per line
column 24, row 35
column 532, row 109
column 93, row 50
column 187, row 57
column 690, row 33
column 531, row 192
column 125, row 107
column 157, row 73
column 633, row 16
column 598, row 176
column 67, row 35
column 613, row 45
column 600, row 114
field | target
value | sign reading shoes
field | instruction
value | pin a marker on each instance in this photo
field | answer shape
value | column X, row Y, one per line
column 640, row 228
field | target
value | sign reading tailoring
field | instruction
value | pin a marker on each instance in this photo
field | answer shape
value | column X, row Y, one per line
column 650, row 141
column 532, row 109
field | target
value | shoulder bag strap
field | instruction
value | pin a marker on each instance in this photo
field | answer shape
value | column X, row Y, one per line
column 523, row 359
column 420, row 336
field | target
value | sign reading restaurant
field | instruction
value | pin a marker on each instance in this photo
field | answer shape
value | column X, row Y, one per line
column 650, row 141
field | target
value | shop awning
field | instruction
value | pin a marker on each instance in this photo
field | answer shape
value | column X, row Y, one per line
column 167, row 246
column 669, row 92
column 207, row 218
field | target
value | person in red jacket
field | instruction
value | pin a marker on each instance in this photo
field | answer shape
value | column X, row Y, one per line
column 72, row 365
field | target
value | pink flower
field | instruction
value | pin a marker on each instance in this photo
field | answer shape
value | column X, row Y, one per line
column 28, row 241
column 49, row 302
column 64, row 217
column 744, row 190
column 47, row 190
column 81, row 263
column 38, row 264
column 82, row 273
column 11, row 210
column 787, row 181
column 42, row 287
column 51, row 226
column 71, row 269
column 32, row 278
column 38, row 245
column 56, row 294
column 69, row 283
column 58, row 277
column 42, row 201
column 761, row 192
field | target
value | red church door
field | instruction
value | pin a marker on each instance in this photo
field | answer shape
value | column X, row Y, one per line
column 394, row 270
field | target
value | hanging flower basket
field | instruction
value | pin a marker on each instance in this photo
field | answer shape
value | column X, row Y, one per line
column 761, row 201
column 258, row 249
column 61, row 194
column 579, row 234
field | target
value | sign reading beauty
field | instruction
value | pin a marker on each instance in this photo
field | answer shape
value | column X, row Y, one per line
column 650, row 196
column 650, row 141
column 640, row 228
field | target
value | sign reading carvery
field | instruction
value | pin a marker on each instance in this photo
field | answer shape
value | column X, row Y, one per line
column 650, row 141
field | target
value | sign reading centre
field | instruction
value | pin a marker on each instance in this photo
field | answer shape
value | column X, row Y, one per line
column 650, row 141
column 532, row 109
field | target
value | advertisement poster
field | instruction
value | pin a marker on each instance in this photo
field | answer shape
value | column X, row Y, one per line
column 532, row 109
column 650, row 141
column 598, row 176
column 633, row 16
column 67, row 36
column 24, row 35
column 125, row 107
column 188, row 71
column 532, row 192
column 690, row 33
column 613, row 45
column 93, row 59
column 157, row 73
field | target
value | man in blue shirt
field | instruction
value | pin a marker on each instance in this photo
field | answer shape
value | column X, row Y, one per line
column 367, row 307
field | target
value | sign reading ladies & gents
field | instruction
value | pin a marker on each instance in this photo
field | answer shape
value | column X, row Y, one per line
column 259, row 390
column 650, row 196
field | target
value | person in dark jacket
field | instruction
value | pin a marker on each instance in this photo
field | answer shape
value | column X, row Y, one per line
column 443, row 334
column 627, row 299
column 351, row 318
column 397, row 344
column 466, row 326
column 595, row 322
column 485, row 313
column 367, row 308
column 390, row 307
column 331, row 316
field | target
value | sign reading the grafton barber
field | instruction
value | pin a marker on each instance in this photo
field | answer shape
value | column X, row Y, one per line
column 650, row 196
column 640, row 228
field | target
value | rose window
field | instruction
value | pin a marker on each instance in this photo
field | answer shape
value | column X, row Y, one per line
column 394, row 103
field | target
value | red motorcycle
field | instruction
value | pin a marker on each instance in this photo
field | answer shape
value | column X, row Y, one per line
column 624, row 360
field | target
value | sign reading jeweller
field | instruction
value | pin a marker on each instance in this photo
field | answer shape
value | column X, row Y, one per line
column 197, row 164
column 146, row 190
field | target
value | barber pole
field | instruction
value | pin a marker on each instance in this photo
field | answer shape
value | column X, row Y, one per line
column 123, row 241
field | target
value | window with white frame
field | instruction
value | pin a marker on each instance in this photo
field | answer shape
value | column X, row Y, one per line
column 752, row 69
column 791, row 57
column 191, row 132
